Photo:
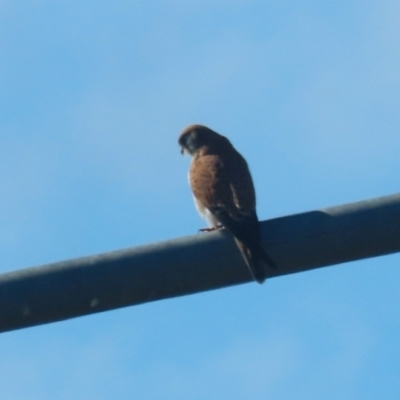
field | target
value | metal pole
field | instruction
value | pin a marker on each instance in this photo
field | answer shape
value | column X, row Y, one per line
column 194, row 264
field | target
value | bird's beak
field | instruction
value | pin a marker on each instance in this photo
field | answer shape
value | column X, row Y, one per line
column 182, row 151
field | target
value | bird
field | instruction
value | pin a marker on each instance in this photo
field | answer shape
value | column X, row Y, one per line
column 224, row 193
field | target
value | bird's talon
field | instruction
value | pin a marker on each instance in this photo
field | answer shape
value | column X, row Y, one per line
column 207, row 229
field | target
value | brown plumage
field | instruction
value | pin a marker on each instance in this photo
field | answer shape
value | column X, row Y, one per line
column 224, row 192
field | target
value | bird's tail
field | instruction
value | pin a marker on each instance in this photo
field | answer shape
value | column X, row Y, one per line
column 256, row 257
column 264, row 256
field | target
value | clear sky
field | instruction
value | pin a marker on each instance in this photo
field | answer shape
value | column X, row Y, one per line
column 93, row 95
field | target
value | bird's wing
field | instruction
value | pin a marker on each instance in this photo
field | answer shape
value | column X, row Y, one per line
column 241, row 184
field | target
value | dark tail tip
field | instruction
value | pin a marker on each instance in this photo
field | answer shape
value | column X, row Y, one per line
column 257, row 270
column 264, row 256
column 257, row 276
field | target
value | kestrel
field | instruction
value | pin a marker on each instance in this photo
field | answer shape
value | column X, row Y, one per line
column 224, row 192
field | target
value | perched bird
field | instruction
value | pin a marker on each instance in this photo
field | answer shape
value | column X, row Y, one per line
column 224, row 192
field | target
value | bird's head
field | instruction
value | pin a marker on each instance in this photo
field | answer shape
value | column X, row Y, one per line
column 197, row 137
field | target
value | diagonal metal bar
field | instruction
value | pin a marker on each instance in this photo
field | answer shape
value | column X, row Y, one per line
column 194, row 264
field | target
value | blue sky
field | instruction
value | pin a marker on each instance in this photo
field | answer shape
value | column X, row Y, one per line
column 93, row 96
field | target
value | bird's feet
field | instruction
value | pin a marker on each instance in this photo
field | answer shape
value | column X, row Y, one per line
column 207, row 229
column 213, row 228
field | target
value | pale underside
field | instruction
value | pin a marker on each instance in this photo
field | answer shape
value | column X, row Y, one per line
column 205, row 213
